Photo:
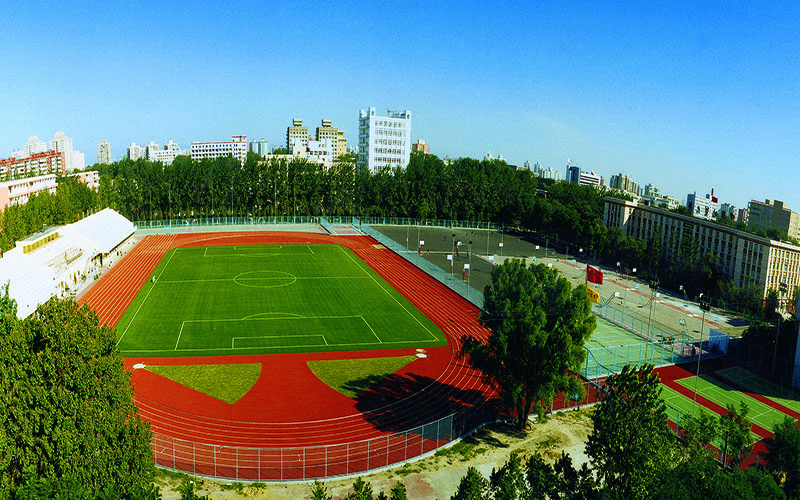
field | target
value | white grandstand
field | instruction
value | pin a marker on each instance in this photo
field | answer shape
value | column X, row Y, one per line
column 57, row 260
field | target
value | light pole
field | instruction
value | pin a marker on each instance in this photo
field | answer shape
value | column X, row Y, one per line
column 705, row 305
column 653, row 295
column 454, row 244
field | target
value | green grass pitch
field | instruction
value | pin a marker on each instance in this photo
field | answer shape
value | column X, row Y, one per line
column 259, row 299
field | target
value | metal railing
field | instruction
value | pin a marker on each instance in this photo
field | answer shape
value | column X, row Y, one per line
column 450, row 281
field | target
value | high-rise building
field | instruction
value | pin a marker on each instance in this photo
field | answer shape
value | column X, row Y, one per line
column 63, row 144
column 236, row 147
column 104, row 152
column 135, row 151
column 34, row 146
column 577, row 176
column 296, row 135
column 624, row 183
column 384, row 142
column 773, row 215
column 328, row 132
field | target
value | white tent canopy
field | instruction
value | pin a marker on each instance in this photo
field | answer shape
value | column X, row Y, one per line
column 46, row 263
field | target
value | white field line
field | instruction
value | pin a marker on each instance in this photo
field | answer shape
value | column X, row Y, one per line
column 144, row 300
column 370, row 329
column 179, row 335
column 389, row 294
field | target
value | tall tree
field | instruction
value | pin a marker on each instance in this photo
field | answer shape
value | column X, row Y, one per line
column 538, row 324
column 630, row 444
column 66, row 407
column 473, row 486
column 734, row 428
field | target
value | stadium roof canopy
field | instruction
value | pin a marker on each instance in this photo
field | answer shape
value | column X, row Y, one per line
column 54, row 260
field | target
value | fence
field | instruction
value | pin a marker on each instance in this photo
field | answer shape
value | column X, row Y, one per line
column 766, row 362
column 450, row 281
column 334, row 460
column 660, row 348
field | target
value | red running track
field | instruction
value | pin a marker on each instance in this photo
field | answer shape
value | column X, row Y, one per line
column 290, row 425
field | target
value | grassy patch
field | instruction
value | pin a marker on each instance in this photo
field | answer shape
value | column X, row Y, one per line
column 227, row 383
column 351, row 377
column 550, row 442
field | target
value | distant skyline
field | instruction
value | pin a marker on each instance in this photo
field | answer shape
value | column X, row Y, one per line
column 685, row 96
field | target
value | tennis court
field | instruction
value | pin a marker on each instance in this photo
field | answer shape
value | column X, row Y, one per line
column 759, row 385
column 680, row 406
column 611, row 347
column 722, row 394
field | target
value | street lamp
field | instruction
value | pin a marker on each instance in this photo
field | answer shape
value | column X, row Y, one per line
column 705, row 305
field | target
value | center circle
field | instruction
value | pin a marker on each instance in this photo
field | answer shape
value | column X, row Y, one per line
column 265, row 279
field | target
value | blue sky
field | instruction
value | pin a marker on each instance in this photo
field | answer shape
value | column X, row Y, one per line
column 687, row 96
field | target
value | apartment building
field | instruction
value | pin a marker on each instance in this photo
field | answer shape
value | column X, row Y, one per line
column 104, row 152
column 48, row 162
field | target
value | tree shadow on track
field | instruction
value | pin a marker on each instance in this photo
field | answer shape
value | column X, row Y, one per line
column 400, row 402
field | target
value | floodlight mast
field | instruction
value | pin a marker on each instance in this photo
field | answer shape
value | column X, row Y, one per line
column 705, row 305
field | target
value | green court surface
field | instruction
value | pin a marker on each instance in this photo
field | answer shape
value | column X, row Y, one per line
column 611, row 347
column 760, row 413
column 680, row 406
column 758, row 385
column 265, row 299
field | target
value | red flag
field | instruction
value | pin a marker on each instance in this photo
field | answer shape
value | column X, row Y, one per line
column 594, row 275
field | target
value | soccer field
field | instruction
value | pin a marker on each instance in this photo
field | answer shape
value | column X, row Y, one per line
column 257, row 299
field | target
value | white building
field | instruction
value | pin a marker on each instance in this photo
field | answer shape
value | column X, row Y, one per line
column 60, row 260
column 165, row 155
column 34, row 146
column 578, row 176
column 63, row 144
column 104, row 152
column 135, row 151
column 704, row 208
column 236, row 147
column 384, row 142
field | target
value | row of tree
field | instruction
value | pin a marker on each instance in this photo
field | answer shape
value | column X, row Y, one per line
column 568, row 215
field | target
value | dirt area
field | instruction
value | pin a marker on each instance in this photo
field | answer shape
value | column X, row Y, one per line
column 434, row 477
